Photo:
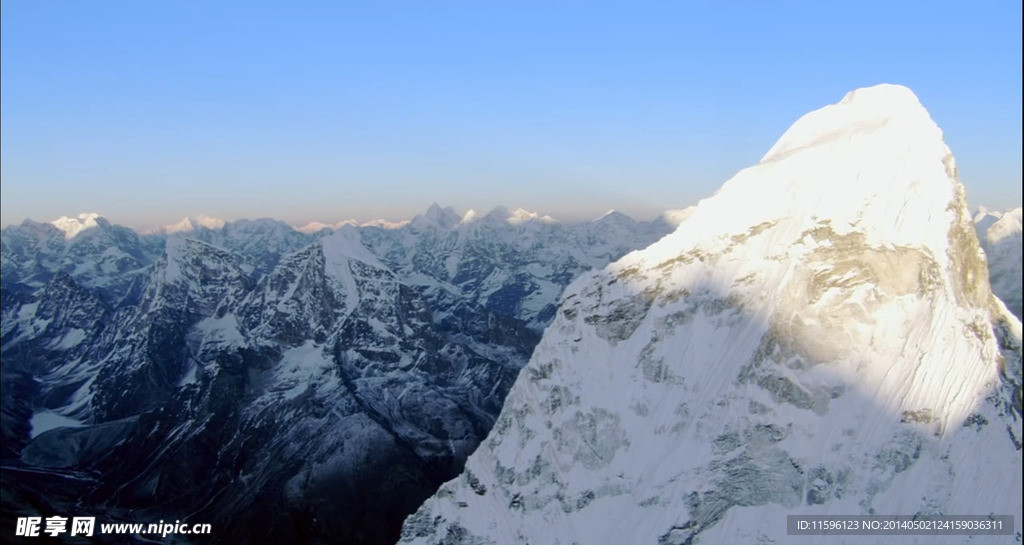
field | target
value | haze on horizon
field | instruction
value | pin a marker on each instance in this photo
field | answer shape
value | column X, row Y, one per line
column 316, row 111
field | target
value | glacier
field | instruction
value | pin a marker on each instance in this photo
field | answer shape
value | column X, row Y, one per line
column 818, row 337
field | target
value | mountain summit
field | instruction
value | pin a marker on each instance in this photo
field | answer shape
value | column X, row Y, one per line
column 818, row 337
column 72, row 226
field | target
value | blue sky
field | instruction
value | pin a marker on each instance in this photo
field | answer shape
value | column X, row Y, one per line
column 150, row 111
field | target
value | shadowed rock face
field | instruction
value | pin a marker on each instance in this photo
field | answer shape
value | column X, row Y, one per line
column 282, row 387
column 834, row 350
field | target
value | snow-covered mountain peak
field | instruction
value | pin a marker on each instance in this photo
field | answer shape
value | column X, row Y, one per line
column 863, row 111
column 435, row 216
column 883, row 95
column 183, row 226
column 874, row 163
column 1008, row 225
column 345, row 244
column 985, row 218
column 313, row 227
column 519, row 216
column 72, row 226
column 818, row 337
column 498, row 213
column 614, row 216
column 194, row 276
column 317, row 226
column 385, row 224
column 188, row 224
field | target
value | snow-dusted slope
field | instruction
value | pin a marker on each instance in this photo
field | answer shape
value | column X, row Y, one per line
column 818, row 337
column 1000, row 235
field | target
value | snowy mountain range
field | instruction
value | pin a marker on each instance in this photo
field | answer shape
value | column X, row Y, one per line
column 1000, row 237
column 277, row 384
column 819, row 337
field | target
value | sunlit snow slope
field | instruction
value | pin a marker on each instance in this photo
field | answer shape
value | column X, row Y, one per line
column 819, row 337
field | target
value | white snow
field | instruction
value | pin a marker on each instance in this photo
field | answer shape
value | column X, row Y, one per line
column 1008, row 225
column 984, row 218
column 302, row 367
column 384, row 224
column 317, row 226
column 190, row 376
column 520, row 216
column 191, row 224
column 73, row 337
column 172, row 251
column 346, row 244
column 46, row 420
column 223, row 332
column 28, row 311
column 339, row 249
column 72, row 226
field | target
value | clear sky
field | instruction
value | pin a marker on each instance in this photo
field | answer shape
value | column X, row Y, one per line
column 150, row 111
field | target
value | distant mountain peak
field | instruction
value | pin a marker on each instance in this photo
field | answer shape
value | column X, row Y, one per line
column 614, row 215
column 193, row 223
column 72, row 226
column 499, row 212
column 436, row 216
column 441, row 215
column 521, row 215
column 384, row 224
column 1008, row 224
column 317, row 226
column 518, row 216
column 984, row 218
